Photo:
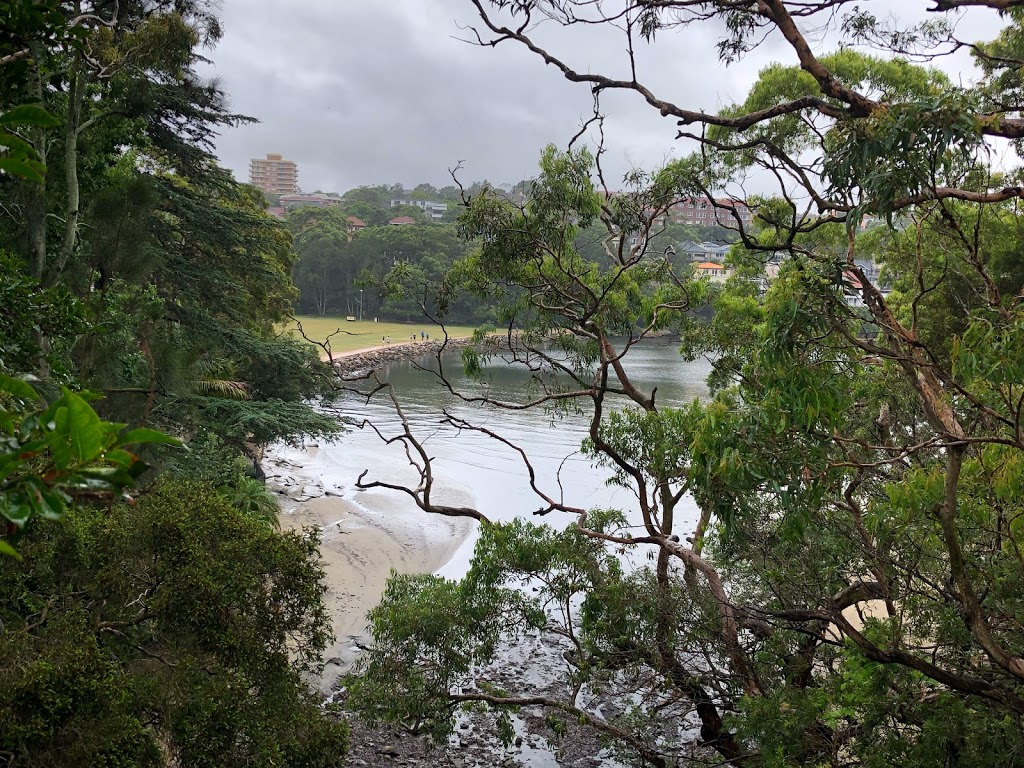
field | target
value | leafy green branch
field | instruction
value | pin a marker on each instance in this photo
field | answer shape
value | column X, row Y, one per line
column 17, row 156
column 51, row 452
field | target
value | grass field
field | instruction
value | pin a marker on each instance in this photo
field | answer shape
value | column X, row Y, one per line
column 361, row 334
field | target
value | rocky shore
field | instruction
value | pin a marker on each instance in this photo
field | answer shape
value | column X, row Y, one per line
column 360, row 362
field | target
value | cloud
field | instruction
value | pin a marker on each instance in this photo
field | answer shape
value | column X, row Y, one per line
column 381, row 91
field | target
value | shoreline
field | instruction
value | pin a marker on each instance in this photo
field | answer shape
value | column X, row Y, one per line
column 358, row 362
column 364, row 537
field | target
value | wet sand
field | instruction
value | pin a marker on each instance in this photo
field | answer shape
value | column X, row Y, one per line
column 364, row 537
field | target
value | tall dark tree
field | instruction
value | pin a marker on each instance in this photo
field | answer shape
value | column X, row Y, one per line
column 177, row 627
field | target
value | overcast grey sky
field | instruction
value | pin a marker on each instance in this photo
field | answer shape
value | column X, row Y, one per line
column 381, row 91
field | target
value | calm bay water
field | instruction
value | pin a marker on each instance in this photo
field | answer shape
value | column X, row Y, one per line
column 473, row 469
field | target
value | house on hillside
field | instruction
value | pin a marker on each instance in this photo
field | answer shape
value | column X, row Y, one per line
column 853, row 288
column 712, row 270
column 302, row 200
column 700, row 252
column 434, row 209
column 355, row 224
column 708, row 212
column 399, row 221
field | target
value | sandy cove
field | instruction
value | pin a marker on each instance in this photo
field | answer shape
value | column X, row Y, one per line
column 364, row 535
column 358, row 551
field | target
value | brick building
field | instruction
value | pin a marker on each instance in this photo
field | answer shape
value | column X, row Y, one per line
column 705, row 212
column 274, row 175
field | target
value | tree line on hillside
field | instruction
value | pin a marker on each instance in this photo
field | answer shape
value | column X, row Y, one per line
column 372, row 203
column 387, row 272
column 150, row 611
column 397, row 272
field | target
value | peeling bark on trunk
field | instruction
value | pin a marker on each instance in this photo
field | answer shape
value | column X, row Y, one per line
column 71, row 130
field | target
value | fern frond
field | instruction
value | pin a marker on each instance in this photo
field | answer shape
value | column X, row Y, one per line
column 233, row 390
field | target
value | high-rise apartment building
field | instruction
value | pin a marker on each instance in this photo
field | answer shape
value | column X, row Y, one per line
column 275, row 175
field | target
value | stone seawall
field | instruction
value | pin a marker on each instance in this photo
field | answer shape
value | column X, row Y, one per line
column 362, row 362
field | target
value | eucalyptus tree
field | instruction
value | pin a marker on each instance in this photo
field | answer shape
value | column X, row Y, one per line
column 850, row 593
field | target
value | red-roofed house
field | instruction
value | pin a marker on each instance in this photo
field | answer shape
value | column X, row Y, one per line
column 853, row 289
column 714, row 271
column 355, row 224
column 400, row 220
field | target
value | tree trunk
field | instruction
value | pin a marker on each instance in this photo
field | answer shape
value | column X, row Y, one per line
column 76, row 92
column 35, row 214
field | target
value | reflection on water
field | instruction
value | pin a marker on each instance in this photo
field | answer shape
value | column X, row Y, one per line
column 473, row 468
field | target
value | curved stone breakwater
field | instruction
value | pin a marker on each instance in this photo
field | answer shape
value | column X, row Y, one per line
column 372, row 359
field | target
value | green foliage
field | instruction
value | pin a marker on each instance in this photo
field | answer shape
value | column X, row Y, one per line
column 849, row 592
column 179, row 627
column 438, row 644
column 31, row 314
column 655, row 442
column 252, row 498
column 17, row 156
column 905, row 150
column 208, row 460
column 53, row 450
column 528, row 263
column 411, row 211
column 224, row 466
column 264, row 422
column 398, row 273
column 433, row 636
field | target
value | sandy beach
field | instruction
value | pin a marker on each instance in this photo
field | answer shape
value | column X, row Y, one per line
column 364, row 536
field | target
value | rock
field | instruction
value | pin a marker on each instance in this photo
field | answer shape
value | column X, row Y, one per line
column 390, row 751
column 312, row 491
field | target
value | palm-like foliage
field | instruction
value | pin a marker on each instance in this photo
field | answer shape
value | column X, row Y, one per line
column 252, row 497
column 212, row 377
